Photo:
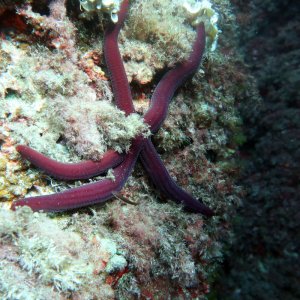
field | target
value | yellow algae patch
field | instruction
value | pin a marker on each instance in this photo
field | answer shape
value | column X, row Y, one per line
column 15, row 180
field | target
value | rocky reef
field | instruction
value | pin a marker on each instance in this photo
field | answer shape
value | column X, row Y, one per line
column 55, row 96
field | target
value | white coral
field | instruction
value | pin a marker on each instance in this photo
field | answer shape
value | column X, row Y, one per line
column 110, row 6
column 202, row 11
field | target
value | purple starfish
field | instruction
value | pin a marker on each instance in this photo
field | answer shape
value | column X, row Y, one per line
column 103, row 190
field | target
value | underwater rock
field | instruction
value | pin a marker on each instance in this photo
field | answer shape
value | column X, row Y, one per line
column 54, row 90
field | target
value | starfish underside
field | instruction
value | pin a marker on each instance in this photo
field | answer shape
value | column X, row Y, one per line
column 141, row 147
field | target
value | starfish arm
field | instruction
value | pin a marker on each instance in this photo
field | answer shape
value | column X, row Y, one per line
column 172, row 80
column 87, row 194
column 157, row 111
column 164, row 182
column 70, row 171
column 115, row 65
column 105, row 189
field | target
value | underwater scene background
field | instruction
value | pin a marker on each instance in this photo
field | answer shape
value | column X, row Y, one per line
column 230, row 139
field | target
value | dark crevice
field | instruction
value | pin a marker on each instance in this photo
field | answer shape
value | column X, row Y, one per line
column 257, row 264
column 41, row 7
